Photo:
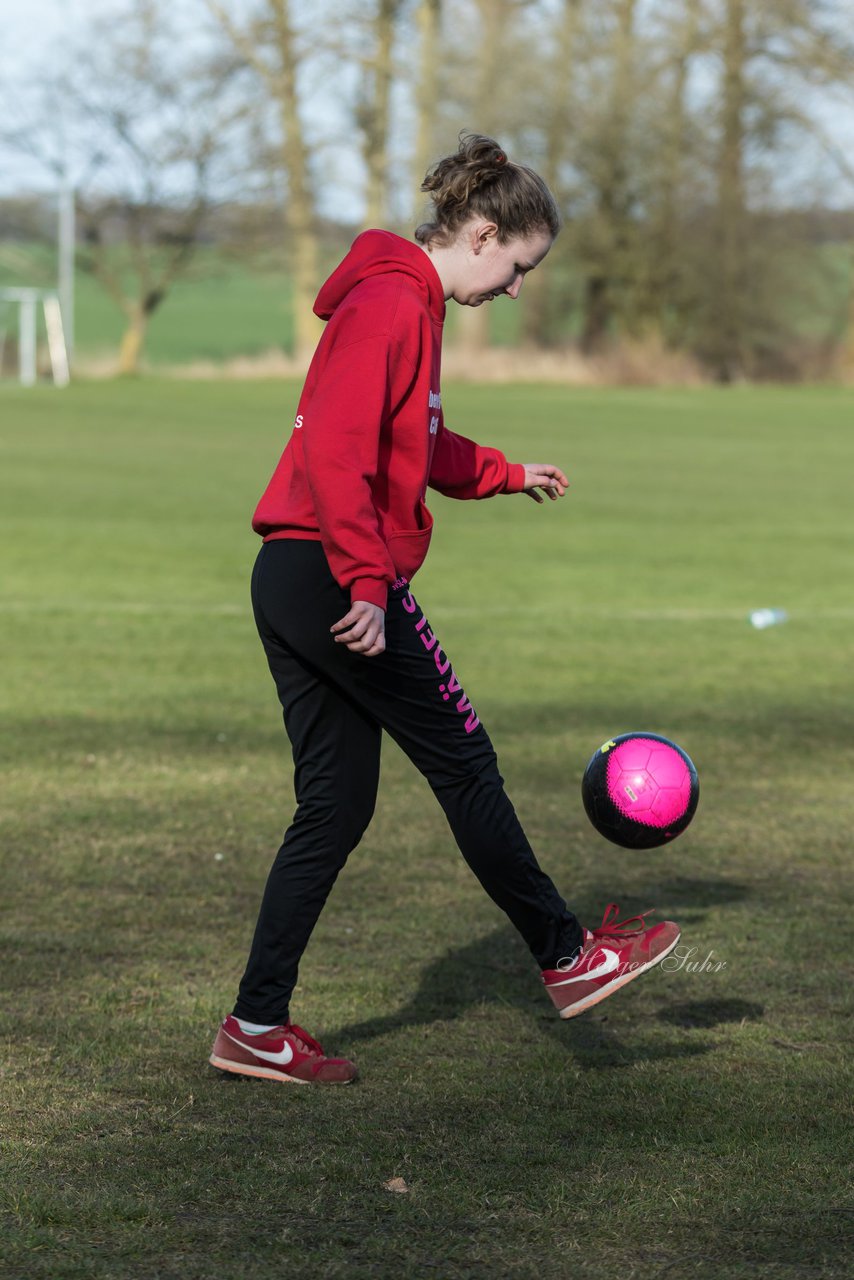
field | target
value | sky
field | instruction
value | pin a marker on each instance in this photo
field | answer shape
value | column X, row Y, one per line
column 31, row 28
column 31, row 31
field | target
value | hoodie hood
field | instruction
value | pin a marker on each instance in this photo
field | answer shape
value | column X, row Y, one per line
column 377, row 253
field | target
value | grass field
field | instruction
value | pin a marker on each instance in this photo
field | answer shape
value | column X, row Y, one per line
column 225, row 307
column 222, row 309
column 692, row 1126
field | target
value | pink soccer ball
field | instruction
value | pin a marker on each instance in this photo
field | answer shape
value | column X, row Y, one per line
column 640, row 790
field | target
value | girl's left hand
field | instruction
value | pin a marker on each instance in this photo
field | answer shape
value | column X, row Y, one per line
column 541, row 475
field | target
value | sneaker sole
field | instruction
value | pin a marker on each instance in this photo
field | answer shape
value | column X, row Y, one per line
column 264, row 1073
column 588, row 1002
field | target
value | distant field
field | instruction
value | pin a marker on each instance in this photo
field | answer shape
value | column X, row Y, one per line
column 692, row 1126
column 226, row 308
column 221, row 310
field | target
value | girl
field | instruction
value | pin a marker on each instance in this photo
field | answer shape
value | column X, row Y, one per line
column 345, row 528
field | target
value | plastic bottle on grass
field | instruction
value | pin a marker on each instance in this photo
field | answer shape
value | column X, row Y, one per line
column 762, row 618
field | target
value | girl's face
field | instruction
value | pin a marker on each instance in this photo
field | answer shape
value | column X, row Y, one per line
column 492, row 269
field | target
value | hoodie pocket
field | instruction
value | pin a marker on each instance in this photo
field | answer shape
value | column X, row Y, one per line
column 408, row 547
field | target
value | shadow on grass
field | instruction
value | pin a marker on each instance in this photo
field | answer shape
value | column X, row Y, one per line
column 488, row 971
column 688, row 899
column 163, row 732
column 711, row 1013
column 165, row 735
column 791, row 725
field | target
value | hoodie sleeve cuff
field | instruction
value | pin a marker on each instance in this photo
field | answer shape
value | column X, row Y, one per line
column 374, row 590
column 515, row 478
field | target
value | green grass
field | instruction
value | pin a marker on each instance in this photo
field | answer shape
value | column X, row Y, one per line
column 225, row 308
column 693, row 1126
column 220, row 309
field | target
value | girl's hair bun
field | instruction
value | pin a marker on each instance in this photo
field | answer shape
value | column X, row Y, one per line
column 479, row 180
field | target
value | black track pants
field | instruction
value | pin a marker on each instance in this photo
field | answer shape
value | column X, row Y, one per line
column 336, row 704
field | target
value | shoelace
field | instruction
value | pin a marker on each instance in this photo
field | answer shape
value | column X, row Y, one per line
column 308, row 1041
column 611, row 928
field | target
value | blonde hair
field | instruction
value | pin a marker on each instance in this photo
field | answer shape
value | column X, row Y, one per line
column 479, row 180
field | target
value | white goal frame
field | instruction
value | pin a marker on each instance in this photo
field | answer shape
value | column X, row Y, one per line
column 28, row 301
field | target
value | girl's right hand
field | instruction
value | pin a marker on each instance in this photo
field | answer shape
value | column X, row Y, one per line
column 542, row 475
column 362, row 629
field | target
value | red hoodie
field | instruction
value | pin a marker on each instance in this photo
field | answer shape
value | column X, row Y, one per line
column 369, row 436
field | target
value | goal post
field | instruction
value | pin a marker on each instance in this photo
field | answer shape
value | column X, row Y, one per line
column 28, row 301
column 56, row 341
column 57, row 307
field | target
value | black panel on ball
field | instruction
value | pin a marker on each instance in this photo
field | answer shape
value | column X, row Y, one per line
column 623, row 829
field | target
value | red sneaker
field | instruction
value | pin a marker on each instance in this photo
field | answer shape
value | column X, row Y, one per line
column 286, row 1053
column 610, row 956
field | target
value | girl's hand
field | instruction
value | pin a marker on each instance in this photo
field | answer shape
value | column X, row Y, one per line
column 540, row 475
column 362, row 629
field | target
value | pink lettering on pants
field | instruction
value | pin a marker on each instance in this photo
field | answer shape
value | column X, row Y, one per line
column 450, row 684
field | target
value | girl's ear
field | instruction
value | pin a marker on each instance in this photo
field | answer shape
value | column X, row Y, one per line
column 482, row 234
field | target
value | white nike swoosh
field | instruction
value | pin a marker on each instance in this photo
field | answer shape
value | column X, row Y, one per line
column 281, row 1059
column 610, row 962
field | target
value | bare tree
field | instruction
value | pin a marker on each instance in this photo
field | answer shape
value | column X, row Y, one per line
column 269, row 46
column 486, row 97
column 429, row 24
column 731, row 205
column 672, row 218
column 609, row 170
column 141, row 132
column 373, row 111
column 663, row 126
column 675, row 164
column 146, row 244
column 772, row 52
column 555, row 102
